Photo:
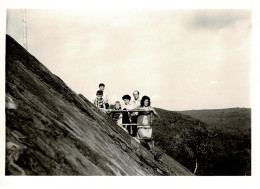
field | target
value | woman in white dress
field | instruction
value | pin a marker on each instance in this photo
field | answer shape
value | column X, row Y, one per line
column 144, row 121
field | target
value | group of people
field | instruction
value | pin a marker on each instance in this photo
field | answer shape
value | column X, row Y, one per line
column 134, row 116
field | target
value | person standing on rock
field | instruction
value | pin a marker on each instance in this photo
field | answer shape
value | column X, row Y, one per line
column 117, row 116
column 99, row 101
column 135, row 104
column 102, row 88
column 126, row 115
column 144, row 121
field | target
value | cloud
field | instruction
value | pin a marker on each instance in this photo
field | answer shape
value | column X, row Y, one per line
column 216, row 19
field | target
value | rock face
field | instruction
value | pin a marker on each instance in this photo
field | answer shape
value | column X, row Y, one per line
column 51, row 130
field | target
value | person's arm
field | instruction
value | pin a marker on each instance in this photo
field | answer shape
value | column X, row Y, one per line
column 154, row 112
column 105, row 98
column 95, row 104
column 109, row 112
column 134, row 113
column 104, row 108
column 104, row 104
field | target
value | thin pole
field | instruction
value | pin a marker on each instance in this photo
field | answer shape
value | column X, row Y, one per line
column 24, row 30
column 196, row 167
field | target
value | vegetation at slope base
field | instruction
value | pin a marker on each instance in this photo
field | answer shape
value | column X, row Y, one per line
column 186, row 139
column 190, row 140
column 233, row 140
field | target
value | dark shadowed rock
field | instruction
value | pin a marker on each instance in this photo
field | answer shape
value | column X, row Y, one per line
column 51, row 130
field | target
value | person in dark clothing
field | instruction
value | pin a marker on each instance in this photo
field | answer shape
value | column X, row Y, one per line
column 117, row 116
column 126, row 115
column 105, row 98
column 99, row 101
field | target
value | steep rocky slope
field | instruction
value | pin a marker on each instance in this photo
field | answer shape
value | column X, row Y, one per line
column 51, row 130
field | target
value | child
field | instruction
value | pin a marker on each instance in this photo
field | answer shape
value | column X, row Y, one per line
column 99, row 102
column 117, row 116
column 102, row 88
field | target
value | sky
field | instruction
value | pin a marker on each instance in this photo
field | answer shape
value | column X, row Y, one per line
column 182, row 59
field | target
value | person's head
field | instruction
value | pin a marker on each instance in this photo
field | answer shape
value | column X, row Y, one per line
column 99, row 94
column 126, row 99
column 117, row 105
column 101, row 86
column 136, row 94
column 145, row 101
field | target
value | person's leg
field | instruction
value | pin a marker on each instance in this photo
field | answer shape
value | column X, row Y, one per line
column 134, row 130
column 144, row 143
column 134, row 127
column 119, row 121
column 125, row 118
column 129, row 129
column 150, row 143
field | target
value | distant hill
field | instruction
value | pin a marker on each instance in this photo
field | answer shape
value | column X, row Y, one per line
column 51, row 130
column 233, row 119
column 232, row 142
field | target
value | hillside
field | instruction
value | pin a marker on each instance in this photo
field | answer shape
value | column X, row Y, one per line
column 234, row 119
column 229, row 139
column 233, row 140
column 51, row 130
column 186, row 139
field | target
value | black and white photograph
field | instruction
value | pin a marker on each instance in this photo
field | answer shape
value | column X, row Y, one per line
column 128, row 92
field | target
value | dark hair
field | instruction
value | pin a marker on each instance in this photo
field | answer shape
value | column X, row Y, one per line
column 145, row 98
column 99, row 92
column 126, row 97
column 101, row 84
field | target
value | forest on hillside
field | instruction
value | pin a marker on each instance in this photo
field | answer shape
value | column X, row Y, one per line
column 208, row 149
column 230, row 119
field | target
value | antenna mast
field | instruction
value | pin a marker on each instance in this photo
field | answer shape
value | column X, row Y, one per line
column 24, row 30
